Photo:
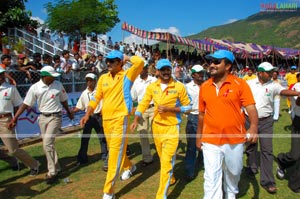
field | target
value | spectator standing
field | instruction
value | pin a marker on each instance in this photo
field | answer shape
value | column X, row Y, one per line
column 220, row 137
column 100, row 64
column 110, row 43
column 291, row 79
column 144, row 124
column 6, row 62
column 170, row 99
column 193, row 89
column 50, row 97
column 249, row 74
column 113, row 89
column 264, row 91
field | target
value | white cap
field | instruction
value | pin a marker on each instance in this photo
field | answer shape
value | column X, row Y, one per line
column 197, row 68
column 49, row 71
column 91, row 75
column 265, row 67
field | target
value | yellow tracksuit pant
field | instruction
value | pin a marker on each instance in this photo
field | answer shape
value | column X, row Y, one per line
column 115, row 131
column 166, row 140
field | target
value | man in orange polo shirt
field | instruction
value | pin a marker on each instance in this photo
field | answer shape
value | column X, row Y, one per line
column 221, row 133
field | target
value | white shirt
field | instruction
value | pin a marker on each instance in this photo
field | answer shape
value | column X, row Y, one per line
column 294, row 108
column 9, row 98
column 139, row 87
column 193, row 91
column 48, row 98
column 264, row 95
column 84, row 100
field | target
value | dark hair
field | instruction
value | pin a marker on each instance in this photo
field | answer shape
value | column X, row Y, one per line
column 56, row 57
column 5, row 57
column 36, row 55
column 64, row 52
column 46, row 56
column 298, row 75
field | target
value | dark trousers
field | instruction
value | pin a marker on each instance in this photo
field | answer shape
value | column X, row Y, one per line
column 94, row 122
column 265, row 132
column 191, row 151
column 289, row 159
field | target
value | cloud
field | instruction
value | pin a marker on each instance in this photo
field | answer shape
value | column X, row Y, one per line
column 230, row 21
column 138, row 40
column 41, row 21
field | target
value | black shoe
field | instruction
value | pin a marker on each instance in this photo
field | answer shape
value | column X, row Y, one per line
column 50, row 179
column 35, row 171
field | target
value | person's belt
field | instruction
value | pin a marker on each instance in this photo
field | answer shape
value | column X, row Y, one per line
column 57, row 114
column 151, row 105
column 263, row 118
column 97, row 114
column 5, row 115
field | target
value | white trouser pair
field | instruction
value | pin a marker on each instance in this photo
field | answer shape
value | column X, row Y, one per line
column 222, row 160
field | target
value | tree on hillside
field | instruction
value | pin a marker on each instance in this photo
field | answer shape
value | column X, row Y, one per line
column 13, row 14
column 82, row 16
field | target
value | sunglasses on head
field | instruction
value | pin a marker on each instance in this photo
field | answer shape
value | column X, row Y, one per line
column 111, row 61
column 215, row 61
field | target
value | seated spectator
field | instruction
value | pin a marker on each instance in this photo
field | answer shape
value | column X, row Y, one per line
column 36, row 63
column 57, row 62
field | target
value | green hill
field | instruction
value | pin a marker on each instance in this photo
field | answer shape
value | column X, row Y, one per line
column 280, row 29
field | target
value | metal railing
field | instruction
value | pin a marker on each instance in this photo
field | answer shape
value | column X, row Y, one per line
column 75, row 81
column 44, row 45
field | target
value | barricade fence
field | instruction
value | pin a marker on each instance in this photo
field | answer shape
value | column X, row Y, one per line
column 73, row 81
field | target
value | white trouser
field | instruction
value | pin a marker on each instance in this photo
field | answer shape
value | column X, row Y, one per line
column 227, row 159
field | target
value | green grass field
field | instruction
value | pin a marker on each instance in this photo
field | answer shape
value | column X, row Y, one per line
column 87, row 181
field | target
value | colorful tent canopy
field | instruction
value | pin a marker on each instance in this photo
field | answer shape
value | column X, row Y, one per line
column 244, row 50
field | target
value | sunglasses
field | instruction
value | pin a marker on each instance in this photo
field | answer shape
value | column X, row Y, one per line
column 215, row 61
column 111, row 61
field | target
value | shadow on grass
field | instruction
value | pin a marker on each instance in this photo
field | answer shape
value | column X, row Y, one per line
column 10, row 189
column 245, row 183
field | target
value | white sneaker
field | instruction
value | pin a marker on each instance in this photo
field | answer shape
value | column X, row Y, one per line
column 128, row 173
column 108, row 196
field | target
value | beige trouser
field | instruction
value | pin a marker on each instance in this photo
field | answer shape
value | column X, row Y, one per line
column 9, row 139
column 144, row 128
column 49, row 126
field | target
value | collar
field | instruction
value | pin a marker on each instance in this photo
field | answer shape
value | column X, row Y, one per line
column 170, row 84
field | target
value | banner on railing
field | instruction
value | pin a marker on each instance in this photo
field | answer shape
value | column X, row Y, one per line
column 27, row 125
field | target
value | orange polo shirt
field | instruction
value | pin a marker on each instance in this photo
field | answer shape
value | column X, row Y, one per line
column 224, row 118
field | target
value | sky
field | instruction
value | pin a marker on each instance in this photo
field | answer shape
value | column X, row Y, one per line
column 179, row 17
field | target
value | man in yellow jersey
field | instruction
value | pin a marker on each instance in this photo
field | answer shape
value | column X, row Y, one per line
column 250, row 75
column 170, row 99
column 114, row 90
column 291, row 80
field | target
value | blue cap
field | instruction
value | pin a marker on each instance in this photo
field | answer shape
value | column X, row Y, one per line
column 163, row 63
column 221, row 54
column 114, row 54
column 293, row 67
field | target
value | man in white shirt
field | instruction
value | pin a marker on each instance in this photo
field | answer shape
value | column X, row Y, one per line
column 193, row 89
column 144, row 126
column 264, row 91
column 10, row 99
column 94, row 122
column 50, row 96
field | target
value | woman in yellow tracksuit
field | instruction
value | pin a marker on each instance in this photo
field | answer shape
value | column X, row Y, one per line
column 113, row 89
column 170, row 100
